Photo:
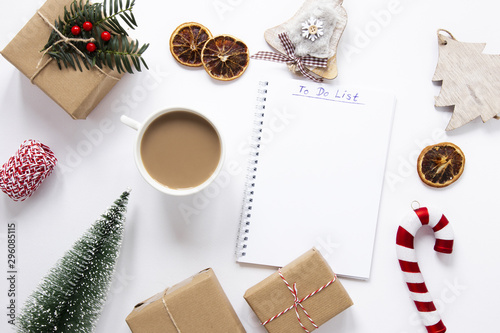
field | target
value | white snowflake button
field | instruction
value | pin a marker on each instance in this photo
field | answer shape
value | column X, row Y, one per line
column 312, row 29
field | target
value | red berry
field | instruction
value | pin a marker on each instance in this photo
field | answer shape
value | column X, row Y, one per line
column 105, row 36
column 87, row 26
column 75, row 30
column 91, row 47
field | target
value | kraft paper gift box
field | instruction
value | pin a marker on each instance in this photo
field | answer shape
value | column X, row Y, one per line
column 312, row 284
column 195, row 305
column 78, row 93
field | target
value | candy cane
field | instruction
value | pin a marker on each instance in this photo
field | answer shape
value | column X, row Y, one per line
column 408, row 261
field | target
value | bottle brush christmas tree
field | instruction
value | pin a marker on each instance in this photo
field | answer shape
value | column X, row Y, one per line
column 70, row 298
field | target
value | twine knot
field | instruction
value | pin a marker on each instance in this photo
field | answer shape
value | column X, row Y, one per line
column 297, row 302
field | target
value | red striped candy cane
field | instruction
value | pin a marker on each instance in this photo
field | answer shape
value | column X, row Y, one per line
column 409, row 265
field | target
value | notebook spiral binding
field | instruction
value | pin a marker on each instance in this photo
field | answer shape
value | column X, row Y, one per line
column 246, row 212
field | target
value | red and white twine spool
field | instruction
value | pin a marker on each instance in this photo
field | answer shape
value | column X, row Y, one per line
column 409, row 265
column 23, row 173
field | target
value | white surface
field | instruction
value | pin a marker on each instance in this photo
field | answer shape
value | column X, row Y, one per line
column 388, row 44
column 309, row 155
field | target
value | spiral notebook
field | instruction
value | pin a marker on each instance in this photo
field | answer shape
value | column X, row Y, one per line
column 316, row 173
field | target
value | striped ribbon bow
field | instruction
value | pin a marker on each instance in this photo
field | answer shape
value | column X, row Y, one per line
column 298, row 302
column 290, row 58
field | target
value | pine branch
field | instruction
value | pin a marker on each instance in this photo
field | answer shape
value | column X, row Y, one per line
column 118, row 53
column 116, row 9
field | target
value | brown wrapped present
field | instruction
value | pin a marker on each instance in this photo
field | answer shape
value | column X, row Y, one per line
column 307, row 288
column 78, row 93
column 196, row 305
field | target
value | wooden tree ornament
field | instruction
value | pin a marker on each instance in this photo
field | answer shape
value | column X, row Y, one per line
column 470, row 80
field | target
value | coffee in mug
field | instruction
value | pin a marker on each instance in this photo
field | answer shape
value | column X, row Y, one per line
column 180, row 149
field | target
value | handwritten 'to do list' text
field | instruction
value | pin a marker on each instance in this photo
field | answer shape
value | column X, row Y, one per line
column 333, row 95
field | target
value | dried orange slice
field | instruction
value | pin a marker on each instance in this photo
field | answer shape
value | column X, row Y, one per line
column 441, row 164
column 225, row 57
column 187, row 41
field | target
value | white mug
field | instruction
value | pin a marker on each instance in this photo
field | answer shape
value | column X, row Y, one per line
column 141, row 129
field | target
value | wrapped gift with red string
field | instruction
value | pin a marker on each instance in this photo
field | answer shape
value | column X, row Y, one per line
column 300, row 297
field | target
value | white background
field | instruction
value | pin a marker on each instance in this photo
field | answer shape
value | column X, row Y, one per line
column 387, row 44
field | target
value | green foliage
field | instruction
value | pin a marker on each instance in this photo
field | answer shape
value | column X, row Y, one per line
column 120, row 52
column 71, row 296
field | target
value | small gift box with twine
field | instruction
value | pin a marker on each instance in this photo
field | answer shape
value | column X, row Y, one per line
column 77, row 92
column 197, row 304
column 300, row 297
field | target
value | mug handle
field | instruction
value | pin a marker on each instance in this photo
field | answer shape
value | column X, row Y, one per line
column 130, row 122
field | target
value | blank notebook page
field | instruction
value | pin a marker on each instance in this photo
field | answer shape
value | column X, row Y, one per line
column 316, row 175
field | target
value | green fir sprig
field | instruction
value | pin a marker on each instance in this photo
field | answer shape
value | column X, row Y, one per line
column 119, row 52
